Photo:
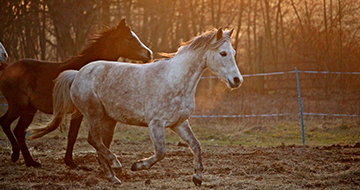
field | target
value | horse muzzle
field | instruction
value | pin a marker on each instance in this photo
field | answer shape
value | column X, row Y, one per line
column 148, row 56
column 235, row 82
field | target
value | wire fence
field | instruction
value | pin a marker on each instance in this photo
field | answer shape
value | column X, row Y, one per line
column 301, row 112
column 282, row 114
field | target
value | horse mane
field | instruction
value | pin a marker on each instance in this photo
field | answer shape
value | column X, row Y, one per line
column 200, row 41
column 97, row 38
column 203, row 41
column 94, row 41
column 197, row 42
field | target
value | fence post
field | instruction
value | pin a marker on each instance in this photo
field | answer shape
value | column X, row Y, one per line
column 300, row 106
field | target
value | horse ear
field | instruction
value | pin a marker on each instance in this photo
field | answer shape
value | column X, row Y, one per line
column 230, row 32
column 122, row 27
column 219, row 34
column 122, row 23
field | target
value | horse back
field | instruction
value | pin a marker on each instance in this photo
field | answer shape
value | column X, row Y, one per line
column 30, row 80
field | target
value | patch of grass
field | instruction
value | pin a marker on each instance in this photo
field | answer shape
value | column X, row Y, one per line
column 267, row 133
column 317, row 133
column 131, row 133
column 233, row 132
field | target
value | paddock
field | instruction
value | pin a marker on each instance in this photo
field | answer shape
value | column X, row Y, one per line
column 229, row 163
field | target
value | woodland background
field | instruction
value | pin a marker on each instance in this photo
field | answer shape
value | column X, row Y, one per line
column 270, row 35
column 314, row 34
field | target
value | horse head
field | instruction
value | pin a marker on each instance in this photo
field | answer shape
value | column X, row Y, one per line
column 220, row 58
column 123, row 42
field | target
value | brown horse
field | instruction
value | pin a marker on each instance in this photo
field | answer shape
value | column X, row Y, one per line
column 27, row 85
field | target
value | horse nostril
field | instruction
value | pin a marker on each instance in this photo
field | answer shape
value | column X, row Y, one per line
column 236, row 80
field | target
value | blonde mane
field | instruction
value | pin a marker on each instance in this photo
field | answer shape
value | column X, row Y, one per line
column 198, row 42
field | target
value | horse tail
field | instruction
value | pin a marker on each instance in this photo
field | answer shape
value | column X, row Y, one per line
column 62, row 103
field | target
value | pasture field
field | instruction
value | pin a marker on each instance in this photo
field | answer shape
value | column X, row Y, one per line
column 237, row 154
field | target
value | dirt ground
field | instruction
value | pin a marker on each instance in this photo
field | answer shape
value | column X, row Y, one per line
column 226, row 167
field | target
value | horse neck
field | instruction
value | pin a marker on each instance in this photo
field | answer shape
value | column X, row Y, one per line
column 187, row 69
column 79, row 61
column 74, row 63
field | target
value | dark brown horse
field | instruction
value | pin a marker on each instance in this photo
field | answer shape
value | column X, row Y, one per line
column 27, row 85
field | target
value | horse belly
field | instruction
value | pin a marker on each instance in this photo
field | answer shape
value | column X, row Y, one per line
column 126, row 112
column 172, row 110
column 43, row 102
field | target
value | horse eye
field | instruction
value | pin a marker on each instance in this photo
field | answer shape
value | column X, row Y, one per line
column 223, row 53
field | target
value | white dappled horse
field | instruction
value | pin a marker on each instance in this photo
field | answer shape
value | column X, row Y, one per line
column 157, row 95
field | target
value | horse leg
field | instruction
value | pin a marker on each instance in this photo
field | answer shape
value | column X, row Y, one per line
column 105, row 155
column 20, row 132
column 73, row 133
column 107, row 135
column 185, row 133
column 16, row 108
column 158, row 138
column 5, row 122
column 17, row 105
column 109, row 173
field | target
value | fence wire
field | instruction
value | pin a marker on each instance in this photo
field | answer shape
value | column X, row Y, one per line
column 280, row 114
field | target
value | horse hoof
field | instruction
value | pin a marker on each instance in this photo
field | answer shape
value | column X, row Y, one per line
column 197, row 181
column 117, row 170
column 134, row 167
column 115, row 181
column 71, row 164
column 15, row 156
column 140, row 165
column 34, row 164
